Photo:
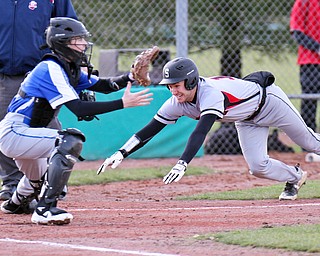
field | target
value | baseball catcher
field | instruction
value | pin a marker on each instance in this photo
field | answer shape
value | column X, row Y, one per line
column 55, row 82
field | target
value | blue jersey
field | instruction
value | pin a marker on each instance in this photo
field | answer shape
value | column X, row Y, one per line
column 48, row 80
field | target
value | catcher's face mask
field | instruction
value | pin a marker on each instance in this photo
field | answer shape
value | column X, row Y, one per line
column 82, row 48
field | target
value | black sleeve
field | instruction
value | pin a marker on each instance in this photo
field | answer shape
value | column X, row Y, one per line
column 150, row 130
column 112, row 84
column 198, row 136
column 146, row 134
column 88, row 108
column 306, row 41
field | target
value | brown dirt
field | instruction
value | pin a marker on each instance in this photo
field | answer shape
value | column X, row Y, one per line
column 144, row 218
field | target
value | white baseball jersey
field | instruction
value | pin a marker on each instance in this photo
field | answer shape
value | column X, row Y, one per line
column 235, row 100
column 229, row 98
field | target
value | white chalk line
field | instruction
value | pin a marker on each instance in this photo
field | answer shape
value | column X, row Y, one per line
column 194, row 208
column 83, row 247
column 101, row 249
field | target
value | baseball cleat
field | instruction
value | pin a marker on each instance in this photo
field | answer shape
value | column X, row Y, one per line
column 290, row 191
column 7, row 191
column 26, row 207
column 51, row 216
column 11, row 208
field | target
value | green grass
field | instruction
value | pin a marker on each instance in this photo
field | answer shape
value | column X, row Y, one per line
column 90, row 177
column 285, row 237
column 304, row 238
column 310, row 190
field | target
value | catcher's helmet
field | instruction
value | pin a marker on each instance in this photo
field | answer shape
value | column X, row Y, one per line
column 181, row 69
column 59, row 34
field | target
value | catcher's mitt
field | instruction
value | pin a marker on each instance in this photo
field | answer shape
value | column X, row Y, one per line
column 140, row 67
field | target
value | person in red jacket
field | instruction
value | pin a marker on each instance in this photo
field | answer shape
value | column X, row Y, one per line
column 305, row 29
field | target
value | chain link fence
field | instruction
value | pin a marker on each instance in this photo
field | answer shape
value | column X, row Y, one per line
column 223, row 37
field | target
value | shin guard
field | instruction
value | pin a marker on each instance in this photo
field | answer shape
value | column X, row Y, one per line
column 61, row 163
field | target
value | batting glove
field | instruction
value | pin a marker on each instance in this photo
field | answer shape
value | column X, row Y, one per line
column 112, row 161
column 176, row 172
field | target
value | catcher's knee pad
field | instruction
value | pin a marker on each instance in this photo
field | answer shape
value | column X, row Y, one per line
column 71, row 142
column 61, row 163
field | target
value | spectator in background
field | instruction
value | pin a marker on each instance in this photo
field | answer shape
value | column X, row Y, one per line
column 22, row 26
column 305, row 29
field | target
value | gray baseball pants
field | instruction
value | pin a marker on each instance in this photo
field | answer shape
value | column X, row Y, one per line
column 278, row 112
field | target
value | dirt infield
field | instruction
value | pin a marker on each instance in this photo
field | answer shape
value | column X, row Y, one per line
column 143, row 218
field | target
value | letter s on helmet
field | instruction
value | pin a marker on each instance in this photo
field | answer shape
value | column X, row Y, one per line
column 181, row 69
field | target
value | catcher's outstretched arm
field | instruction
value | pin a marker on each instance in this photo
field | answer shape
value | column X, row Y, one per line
column 129, row 99
column 111, row 84
column 89, row 108
column 140, row 98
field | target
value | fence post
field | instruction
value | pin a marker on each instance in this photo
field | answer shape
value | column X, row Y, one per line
column 182, row 28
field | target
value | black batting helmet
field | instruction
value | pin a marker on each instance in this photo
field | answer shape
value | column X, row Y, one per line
column 181, row 69
column 58, row 35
